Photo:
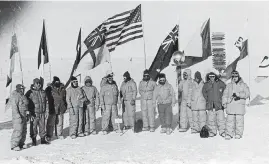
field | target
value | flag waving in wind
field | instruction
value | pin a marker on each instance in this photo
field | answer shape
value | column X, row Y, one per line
column 164, row 54
column 43, row 56
column 115, row 31
column 15, row 68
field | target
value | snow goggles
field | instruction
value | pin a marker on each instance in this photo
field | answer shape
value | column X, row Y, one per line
column 235, row 74
column 212, row 76
column 74, row 81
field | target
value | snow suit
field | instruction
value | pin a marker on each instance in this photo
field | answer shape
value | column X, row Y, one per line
column 198, row 106
column 164, row 96
column 185, row 86
column 75, row 99
column 146, row 89
column 38, row 109
column 92, row 95
column 19, row 104
column 57, row 108
column 213, row 94
column 235, row 109
column 109, row 96
column 128, row 93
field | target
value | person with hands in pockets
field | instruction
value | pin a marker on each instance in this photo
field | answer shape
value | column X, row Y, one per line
column 75, row 100
column 164, row 96
column 91, row 105
column 234, row 100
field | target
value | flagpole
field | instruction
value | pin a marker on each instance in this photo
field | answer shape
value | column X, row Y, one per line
column 145, row 56
column 47, row 41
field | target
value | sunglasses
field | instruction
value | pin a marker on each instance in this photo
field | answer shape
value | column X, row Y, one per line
column 110, row 78
column 74, row 81
column 161, row 80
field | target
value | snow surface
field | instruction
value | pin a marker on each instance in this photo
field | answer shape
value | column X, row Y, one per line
column 146, row 147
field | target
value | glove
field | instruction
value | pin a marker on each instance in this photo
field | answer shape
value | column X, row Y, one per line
column 236, row 98
column 234, row 95
column 87, row 102
column 132, row 102
column 224, row 106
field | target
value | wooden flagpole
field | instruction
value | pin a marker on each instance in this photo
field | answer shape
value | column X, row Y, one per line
column 145, row 56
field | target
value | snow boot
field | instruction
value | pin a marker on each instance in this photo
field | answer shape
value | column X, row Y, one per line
column 93, row 132
column 33, row 141
column 182, row 130
column 23, row 146
column 44, row 141
column 61, row 137
column 163, row 130
column 152, row 130
column 237, row 136
column 228, row 137
column 73, row 137
column 118, row 131
column 81, row 135
column 211, row 134
column 145, row 129
column 193, row 131
column 104, row 132
column 168, row 131
column 16, row 148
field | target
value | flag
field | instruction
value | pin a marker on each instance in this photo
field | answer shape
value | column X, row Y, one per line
column 115, row 31
column 78, row 57
column 263, row 71
column 243, row 48
column 43, row 56
column 164, row 54
column 204, row 46
column 15, row 68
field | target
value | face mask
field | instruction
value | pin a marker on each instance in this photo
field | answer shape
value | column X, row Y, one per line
column 162, row 82
column 146, row 77
column 57, row 85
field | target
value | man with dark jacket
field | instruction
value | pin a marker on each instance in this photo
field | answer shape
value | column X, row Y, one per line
column 56, row 95
column 212, row 92
column 37, row 107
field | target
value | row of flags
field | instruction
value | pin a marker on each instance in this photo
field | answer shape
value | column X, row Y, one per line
column 123, row 28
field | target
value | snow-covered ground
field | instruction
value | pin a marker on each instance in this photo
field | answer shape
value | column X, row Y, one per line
column 146, row 147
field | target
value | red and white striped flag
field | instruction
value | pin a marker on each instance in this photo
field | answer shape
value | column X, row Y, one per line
column 15, row 68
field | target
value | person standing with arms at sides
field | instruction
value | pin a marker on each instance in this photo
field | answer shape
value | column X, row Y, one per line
column 213, row 91
column 146, row 89
column 38, row 109
column 198, row 104
column 91, row 104
column 75, row 100
column 20, row 115
column 234, row 99
column 109, row 98
column 185, row 86
column 56, row 95
column 128, row 93
column 164, row 96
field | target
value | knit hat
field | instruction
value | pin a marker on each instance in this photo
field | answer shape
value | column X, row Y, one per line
column 55, row 78
column 126, row 74
column 146, row 72
column 198, row 75
column 161, row 75
column 20, row 86
column 109, row 72
column 73, row 78
column 36, row 80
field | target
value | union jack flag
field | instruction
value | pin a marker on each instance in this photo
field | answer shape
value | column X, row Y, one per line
column 96, row 38
column 170, row 39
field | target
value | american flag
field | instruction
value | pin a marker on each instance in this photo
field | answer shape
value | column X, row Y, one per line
column 117, row 30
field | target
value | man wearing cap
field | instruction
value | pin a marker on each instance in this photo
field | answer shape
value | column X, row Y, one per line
column 164, row 96
column 212, row 92
column 146, row 88
column 20, row 114
column 56, row 95
column 90, row 105
column 38, row 108
column 128, row 93
column 198, row 104
column 234, row 100
column 185, row 86
column 109, row 99
column 75, row 100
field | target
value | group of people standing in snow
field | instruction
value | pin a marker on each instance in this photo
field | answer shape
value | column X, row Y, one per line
column 202, row 104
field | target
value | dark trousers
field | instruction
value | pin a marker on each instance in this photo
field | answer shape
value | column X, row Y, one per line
column 165, row 115
column 38, row 121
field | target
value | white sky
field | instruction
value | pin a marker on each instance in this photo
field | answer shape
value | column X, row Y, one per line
column 63, row 20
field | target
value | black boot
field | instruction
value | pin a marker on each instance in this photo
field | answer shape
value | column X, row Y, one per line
column 33, row 141
column 44, row 141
